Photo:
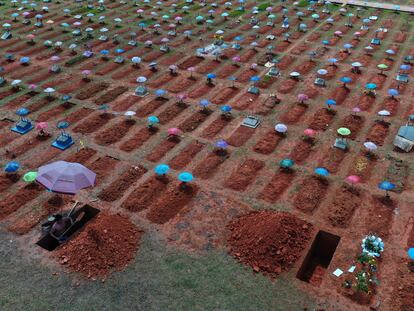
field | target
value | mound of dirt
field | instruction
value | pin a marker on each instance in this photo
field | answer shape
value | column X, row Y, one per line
column 268, row 241
column 109, row 242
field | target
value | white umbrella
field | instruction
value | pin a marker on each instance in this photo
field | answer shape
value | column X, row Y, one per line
column 141, row 79
column 384, row 113
column 370, row 146
column 322, row 72
column 130, row 113
column 281, row 128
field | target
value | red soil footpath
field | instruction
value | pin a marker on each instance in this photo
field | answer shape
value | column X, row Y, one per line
column 244, row 175
column 268, row 241
column 109, row 242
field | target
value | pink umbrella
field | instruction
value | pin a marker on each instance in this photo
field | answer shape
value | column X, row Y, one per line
column 86, row 72
column 174, row 131
column 309, row 132
column 302, row 98
column 55, row 58
column 30, row 36
column 181, row 96
column 236, row 59
column 32, row 87
column 41, row 125
column 353, row 179
column 338, row 33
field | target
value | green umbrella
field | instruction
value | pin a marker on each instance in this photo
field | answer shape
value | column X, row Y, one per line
column 30, row 176
column 344, row 131
column 382, row 66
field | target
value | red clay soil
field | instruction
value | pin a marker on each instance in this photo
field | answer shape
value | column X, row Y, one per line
column 193, row 121
column 224, row 95
column 26, row 145
column 102, row 167
column 137, row 140
column 54, row 112
column 122, row 104
column 354, row 123
column 244, row 175
column 333, row 159
column 93, row 123
column 143, row 196
column 391, row 104
column 240, row 136
column 339, row 94
column 287, row 86
column 378, row 133
column 380, row 216
column 294, row 114
column 43, row 157
column 200, row 91
column 162, row 148
column 77, row 115
column 310, row 194
column 366, row 102
column 186, row 155
column 13, row 202
column 114, row 133
column 190, row 62
column 245, row 101
column 301, row 151
column 180, row 84
column 268, row 143
column 209, row 165
column 269, row 242
column 7, row 181
column 346, row 201
column 150, row 107
column 171, row 112
column 216, row 127
column 91, row 89
column 109, row 242
column 117, row 188
column 82, row 156
column 322, row 119
column 171, row 202
column 111, row 95
column 161, row 80
column 277, row 186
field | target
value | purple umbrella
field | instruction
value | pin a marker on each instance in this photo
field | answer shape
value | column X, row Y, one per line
column 65, row 177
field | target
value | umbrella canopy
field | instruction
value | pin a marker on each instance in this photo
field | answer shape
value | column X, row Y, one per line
column 185, row 177
column 211, row 76
column 309, row 132
column 286, row 163
column 221, row 144
column 345, row 79
column 174, row 131
column 410, row 253
column 153, row 120
column 371, row 86
column 225, row 108
column 281, row 128
column 41, row 125
column 344, row 131
column 161, row 169
column 386, row 185
column 393, row 92
column 384, row 113
column 370, row 146
column 12, row 167
column 353, row 179
column 30, row 176
column 330, row 102
column 65, row 177
column 22, row 112
column 322, row 72
column 321, row 171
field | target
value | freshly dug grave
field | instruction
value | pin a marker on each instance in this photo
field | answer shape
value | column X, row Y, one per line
column 108, row 243
column 268, row 241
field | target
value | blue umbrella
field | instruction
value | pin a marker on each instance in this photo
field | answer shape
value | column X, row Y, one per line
column 104, row 52
column 119, row 51
column 222, row 144
column 405, row 67
column 211, row 76
column 161, row 169
column 286, row 163
column 185, row 177
column 225, row 108
column 410, row 253
column 386, row 185
column 321, row 171
column 333, row 60
column 330, row 102
column 12, row 167
column 371, row 86
column 255, row 79
column 22, row 112
column 238, row 38
column 160, row 92
column 153, row 120
column 345, row 79
column 325, row 42
column 63, row 125
column 66, row 97
column 25, row 60
column 103, row 107
column 204, row 103
column 232, row 78
column 348, row 46
column 393, row 92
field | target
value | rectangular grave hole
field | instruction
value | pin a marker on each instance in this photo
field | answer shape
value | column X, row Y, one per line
column 318, row 258
column 49, row 243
